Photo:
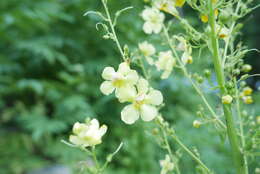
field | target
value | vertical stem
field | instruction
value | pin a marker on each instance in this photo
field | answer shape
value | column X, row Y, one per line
column 185, row 72
column 241, row 128
column 170, row 150
column 232, row 136
column 95, row 159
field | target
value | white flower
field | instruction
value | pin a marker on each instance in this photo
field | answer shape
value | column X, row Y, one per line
column 182, row 46
column 121, row 81
column 147, row 50
column 87, row 134
column 167, row 6
column 166, row 62
column 143, row 104
column 222, row 31
column 186, row 58
column 166, row 165
column 227, row 99
column 153, row 20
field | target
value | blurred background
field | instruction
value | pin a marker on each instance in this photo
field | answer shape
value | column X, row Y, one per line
column 51, row 58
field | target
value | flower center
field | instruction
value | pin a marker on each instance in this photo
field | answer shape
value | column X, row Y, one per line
column 139, row 101
column 118, row 80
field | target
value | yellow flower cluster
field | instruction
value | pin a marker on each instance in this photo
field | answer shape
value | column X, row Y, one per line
column 131, row 88
column 246, row 95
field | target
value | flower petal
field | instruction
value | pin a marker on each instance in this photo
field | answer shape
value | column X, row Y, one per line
column 123, row 68
column 147, row 28
column 107, row 87
column 157, row 27
column 108, row 73
column 129, row 114
column 103, row 130
column 147, row 13
column 142, row 86
column 77, row 141
column 148, row 112
column 132, row 77
column 154, row 97
column 126, row 93
column 94, row 124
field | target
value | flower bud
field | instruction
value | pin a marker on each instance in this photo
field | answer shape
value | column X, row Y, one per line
column 106, row 36
column 236, row 71
column 244, row 113
column 248, row 99
column 243, row 83
column 196, row 124
column 155, row 131
column 227, row 99
column 246, row 68
column 200, row 79
column 229, row 85
column 247, row 91
column 207, row 73
column 204, row 18
column 258, row 120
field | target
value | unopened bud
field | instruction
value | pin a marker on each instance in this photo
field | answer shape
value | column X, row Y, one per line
column 207, row 73
column 227, row 99
column 196, row 124
column 246, row 68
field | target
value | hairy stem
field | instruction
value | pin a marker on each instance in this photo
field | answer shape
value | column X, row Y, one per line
column 231, row 130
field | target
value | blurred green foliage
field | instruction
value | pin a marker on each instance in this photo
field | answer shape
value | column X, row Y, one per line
column 51, row 58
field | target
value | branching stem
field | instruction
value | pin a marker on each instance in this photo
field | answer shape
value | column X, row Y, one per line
column 195, row 86
column 113, row 30
column 231, row 130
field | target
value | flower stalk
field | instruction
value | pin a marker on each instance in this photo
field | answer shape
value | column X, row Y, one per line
column 231, row 130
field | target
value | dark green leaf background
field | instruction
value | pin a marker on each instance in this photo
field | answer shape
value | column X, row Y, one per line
column 51, row 58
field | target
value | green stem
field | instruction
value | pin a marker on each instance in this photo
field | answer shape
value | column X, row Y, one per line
column 195, row 86
column 169, row 150
column 241, row 128
column 95, row 159
column 191, row 153
column 113, row 30
column 229, row 36
column 233, row 139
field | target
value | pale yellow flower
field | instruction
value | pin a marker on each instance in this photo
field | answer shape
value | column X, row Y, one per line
column 166, row 165
column 227, row 99
column 165, row 62
column 247, row 91
column 204, row 18
column 179, row 3
column 182, row 45
column 222, row 31
column 167, row 6
column 186, row 58
column 87, row 134
column 153, row 20
column 143, row 104
column 122, row 81
column 147, row 50
column 248, row 99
